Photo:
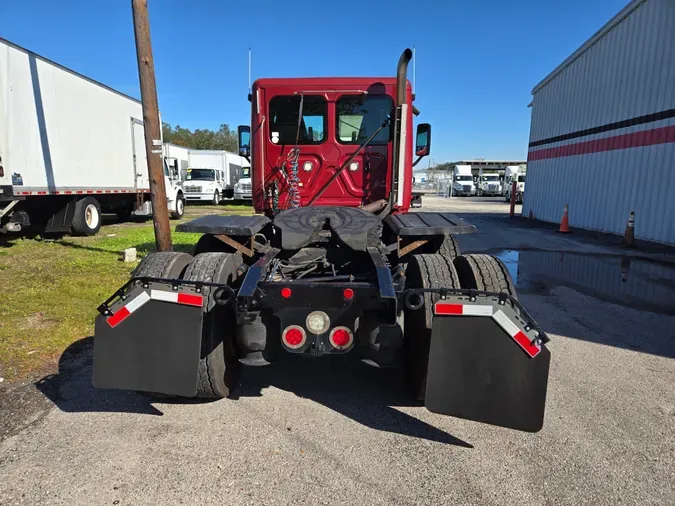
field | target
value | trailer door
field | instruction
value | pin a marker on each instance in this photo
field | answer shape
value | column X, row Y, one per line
column 141, row 179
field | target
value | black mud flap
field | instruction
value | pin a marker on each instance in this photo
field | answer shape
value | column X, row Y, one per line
column 151, row 342
column 483, row 367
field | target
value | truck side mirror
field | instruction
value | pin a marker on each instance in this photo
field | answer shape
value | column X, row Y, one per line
column 423, row 142
column 244, row 138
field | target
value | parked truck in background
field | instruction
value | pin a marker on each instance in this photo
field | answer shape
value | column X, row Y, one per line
column 489, row 183
column 212, row 175
column 243, row 187
column 517, row 173
column 462, row 181
column 71, row 148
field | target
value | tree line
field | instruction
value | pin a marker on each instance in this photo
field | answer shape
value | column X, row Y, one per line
column 222, row 139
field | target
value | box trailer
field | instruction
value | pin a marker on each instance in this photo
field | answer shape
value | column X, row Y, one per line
column 213, row 174
column 70, row 149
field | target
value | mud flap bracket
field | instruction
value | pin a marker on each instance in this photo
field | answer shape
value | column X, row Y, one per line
column 486, row 364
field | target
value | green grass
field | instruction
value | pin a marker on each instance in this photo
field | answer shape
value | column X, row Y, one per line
column 50, row 289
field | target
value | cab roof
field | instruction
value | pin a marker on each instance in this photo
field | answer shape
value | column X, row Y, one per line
column 306, row 82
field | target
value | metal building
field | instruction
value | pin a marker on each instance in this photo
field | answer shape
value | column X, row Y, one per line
column 602, row 136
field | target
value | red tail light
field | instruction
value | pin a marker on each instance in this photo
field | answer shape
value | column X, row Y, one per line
column 341, row 338
column 348, row 294
column 286, row 293
column 294, row 337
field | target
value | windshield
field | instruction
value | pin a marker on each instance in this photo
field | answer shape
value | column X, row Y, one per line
column 491, row 178
column 521, row 179
column 246, row 172
column 359, row 117
column 284, row 112
column 200, row 175
column 464, row 178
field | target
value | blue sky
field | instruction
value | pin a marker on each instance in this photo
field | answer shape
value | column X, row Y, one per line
column 477, row 60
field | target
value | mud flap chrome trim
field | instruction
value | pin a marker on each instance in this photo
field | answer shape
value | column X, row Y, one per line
column 486, row 365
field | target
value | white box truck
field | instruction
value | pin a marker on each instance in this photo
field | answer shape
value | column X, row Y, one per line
column 70, row 149
column 462, row 181
column 212, row 175
column 177, row 158
column 517, row 173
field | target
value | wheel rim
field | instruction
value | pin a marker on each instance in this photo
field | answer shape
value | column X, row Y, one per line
column 180, row 206
column 91, row 216
column 216, row 198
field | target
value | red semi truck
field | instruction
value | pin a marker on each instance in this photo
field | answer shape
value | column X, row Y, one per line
column 333, row 264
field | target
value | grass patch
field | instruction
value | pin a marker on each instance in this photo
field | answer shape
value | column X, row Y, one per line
column 51, row 288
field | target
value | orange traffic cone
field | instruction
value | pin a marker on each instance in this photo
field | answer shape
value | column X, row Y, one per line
column 628, row 240
column 565, row 222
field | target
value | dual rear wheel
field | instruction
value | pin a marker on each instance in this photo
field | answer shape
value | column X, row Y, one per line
column 218, row 365
column 475, row 271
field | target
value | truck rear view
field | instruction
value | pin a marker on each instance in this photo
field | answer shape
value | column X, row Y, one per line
column 333, row 265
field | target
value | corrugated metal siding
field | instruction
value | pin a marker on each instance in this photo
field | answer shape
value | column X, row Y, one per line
column 648, row 283
column 627, row 73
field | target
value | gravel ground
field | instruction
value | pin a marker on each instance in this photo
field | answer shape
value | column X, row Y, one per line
column 329, row 432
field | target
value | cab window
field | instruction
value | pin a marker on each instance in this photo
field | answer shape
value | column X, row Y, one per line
column 359, row 117
column 284, row 112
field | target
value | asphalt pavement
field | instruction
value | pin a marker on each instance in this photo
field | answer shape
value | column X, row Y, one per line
column 329, row 432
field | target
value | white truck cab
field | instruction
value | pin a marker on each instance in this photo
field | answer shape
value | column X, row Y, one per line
column 518, row 174
column 243, row 188
column 462, row 181
column 204, row 184
column 489, row 183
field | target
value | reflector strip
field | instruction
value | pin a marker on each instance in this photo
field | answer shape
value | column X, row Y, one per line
column 518, row 336
column 446, row 308
column 186, row 299
column 190, row 300
column 462, row 309
column 118, row 317
column 126, row 310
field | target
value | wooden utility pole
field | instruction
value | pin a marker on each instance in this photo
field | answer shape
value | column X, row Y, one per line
column 152, row 127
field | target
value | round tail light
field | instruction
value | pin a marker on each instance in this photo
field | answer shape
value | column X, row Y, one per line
column 341, row 338
column 317, row 322
column 294, row 337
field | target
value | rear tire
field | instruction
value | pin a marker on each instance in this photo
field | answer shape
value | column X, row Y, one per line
column 423, row 271
column 87, row 217
column 449, row 248
column 485, row 273
column 218, row 365
column 164, row 264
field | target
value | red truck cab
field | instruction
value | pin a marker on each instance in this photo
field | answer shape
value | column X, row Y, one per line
column 337, row 115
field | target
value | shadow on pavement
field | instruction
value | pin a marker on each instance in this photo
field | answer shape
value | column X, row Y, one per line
column 71, row 389
column 355, row 390
column 361, row 393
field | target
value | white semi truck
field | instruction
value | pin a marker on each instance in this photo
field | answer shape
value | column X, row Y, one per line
column 517, row 173
column 212, row 175
column 489, row 183
column 462, row 181
column 71, row 148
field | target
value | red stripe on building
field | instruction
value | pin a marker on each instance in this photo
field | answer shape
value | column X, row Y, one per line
column 651, row 137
